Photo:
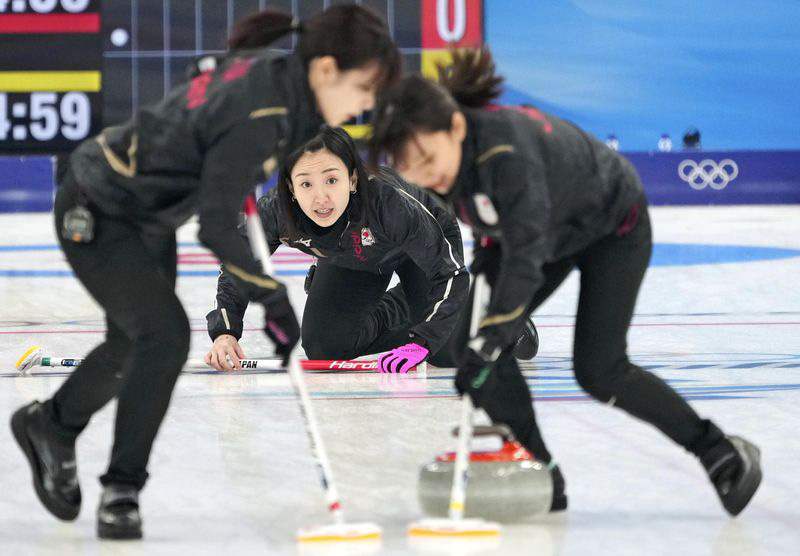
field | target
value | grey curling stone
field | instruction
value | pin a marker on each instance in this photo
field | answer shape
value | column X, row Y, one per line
column 506, row 489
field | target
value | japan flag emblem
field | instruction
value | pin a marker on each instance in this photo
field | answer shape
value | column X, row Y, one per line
column 485, row 209
column 367, row 238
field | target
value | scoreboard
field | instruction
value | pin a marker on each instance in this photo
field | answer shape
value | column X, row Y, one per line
column 50, row 74
column 70, row 67
column 426, row 31
column 446, row 24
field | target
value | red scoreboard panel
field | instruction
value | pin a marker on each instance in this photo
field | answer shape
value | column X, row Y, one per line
column 451, row 23
column 443, row 25
column 447, row 24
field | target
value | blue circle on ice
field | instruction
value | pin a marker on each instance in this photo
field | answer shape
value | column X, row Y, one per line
column 686, row 254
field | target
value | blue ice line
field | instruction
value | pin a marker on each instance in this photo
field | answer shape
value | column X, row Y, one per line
column 697, row 397
column 749, row 365
column 40, row 247
column 742, row 388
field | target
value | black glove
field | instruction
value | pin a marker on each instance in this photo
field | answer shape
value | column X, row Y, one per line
column 486, row 258
column 281, row 326
column 476, row 375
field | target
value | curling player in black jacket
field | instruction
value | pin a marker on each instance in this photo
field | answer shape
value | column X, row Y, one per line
column 382, row 226
column 200, row 150
column 362, row 229
column 543, row 198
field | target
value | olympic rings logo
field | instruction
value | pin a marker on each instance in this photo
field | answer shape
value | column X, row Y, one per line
column 708, row 173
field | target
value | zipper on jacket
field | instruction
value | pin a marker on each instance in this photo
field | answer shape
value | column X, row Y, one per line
column 346, row 227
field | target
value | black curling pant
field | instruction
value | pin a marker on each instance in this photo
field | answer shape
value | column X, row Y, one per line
column 132, row 276
column 350, row 313
column 611, row 270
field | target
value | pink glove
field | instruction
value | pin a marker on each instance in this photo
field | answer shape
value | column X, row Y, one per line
column 402, row 359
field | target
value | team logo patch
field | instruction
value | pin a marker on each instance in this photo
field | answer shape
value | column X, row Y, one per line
column 367, row 238
column 485, row 209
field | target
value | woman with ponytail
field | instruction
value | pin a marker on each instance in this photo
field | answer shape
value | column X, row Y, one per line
column 543, row 198
column 201, row 149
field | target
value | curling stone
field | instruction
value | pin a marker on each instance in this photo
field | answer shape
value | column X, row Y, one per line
column 503, row 485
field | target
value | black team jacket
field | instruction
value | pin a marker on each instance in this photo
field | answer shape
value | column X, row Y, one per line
column 543, row 190
column 398, row 223
column 201, row 150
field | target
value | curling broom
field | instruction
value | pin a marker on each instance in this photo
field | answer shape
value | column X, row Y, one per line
column 456, row 526
column 339, row 530
column 35, row 356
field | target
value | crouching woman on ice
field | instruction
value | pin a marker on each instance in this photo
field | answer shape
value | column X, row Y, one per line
column 361, row 229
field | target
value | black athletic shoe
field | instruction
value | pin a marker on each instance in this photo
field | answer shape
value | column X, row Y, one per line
column 527, row 345
column 559, row 503
column 52, row 461
column 118, row 514
column 734, row 467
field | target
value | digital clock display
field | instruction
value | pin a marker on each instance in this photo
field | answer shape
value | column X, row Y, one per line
column 50, row 74
column 45, row 116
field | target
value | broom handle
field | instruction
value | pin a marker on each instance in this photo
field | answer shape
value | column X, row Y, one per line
column 458, row 492
column 345, row 365
column 258, row 242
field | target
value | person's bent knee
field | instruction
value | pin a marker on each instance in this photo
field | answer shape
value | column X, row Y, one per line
column 325, row 345
column 598, row 391
column 169, row 342
column 114, row 351
column 330, row 351
column 443, row 358
column 179, row 340
column 600, row 382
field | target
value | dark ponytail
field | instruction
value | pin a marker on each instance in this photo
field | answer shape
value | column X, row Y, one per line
column 471, row 78
column 261, row 29
column 355, row 36
column 417, row 104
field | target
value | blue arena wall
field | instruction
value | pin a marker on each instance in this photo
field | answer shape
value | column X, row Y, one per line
column 674, row 178
column 629, row 68
column 26, row 183
column 639, row 69
column 719, row 177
